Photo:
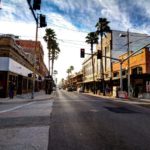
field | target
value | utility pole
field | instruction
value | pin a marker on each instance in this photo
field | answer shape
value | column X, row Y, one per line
column 128, row 50
column 34, row 67
column 36, row 6
column 128, row 60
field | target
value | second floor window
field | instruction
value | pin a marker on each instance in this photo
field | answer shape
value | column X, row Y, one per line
column 137, row 70
column 115, row 74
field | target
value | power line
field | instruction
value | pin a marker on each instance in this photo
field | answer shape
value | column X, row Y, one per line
column 74, row 30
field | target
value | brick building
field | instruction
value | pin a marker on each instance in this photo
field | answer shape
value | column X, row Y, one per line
column 16, row 63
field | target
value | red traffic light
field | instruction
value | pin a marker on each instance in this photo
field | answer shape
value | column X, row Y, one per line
column 82, row 53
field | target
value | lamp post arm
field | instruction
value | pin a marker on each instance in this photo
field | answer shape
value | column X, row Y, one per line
column 119, row 60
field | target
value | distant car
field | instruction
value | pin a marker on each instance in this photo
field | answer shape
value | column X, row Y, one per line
column 69, row 89
column 74, row 88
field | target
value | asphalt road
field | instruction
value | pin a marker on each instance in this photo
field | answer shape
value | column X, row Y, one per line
column 81, row 122
column 74, row 121
column 25, row 125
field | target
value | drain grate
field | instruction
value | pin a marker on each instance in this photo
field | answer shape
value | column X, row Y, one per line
column 120, row 110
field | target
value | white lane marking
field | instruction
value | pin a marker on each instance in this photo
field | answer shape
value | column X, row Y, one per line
column 17, row 107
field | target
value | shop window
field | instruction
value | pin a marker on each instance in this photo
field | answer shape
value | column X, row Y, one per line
column 137, row 70
column 30, row 83
column 124, row 72
column 24, row 83
column 116, row 74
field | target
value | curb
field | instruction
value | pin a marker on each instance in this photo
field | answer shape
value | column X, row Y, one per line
column 130, row 100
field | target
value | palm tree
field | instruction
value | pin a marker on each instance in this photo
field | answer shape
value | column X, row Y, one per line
column 92, row 39
column 62, row 83
column 54, row 53
column 102, row 28
column 71, row 69
column 50, row 38
column 68, row 71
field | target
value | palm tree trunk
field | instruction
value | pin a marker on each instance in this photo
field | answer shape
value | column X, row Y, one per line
column 102, row 67
column 93, row 70
column 53, row 55
column 49, row 62
column 52, row 66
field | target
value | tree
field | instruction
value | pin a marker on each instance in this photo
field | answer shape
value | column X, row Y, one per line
column 102, row 28
column 71, row 69
column 52, row 45
column 92, row 39
column 68, row 71
column 49, row 37
column 54, row 53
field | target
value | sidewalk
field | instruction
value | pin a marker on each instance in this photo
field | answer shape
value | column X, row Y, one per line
column 130, row 100
column 27, row 97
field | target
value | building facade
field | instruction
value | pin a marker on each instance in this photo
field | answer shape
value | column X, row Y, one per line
column 115, row 47
column 139, row 73
column 17, row 66
column 88, row 78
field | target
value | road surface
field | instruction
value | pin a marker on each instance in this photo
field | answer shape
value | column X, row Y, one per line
column 74, row 121
column 81, row 122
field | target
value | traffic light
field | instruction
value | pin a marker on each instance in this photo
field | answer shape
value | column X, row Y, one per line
column 43, row 21
column 99, row 54
column 36, row 4
column 82, row 52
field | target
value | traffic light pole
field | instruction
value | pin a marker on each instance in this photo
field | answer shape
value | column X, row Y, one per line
column 29, row 3
column 36, row 36
column 128, row 50
column 34, row 65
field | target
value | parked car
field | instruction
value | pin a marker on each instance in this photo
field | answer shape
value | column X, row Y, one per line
column 74, row 88
column 69, row 88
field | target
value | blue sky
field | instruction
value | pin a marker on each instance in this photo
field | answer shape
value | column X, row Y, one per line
column 72, row 20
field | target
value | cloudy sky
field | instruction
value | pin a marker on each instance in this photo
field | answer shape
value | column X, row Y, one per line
column 72, row 20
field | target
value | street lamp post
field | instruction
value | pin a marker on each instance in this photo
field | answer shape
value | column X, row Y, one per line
column 128, row 54
column 121, row 84
column 36, row 6
column 128, row 49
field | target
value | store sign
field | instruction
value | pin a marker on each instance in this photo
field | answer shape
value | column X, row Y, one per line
column 8, row 64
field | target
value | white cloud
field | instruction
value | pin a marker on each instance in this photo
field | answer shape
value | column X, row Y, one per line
column 70, row 41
